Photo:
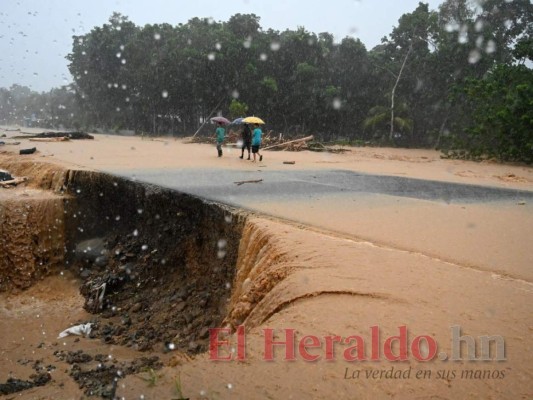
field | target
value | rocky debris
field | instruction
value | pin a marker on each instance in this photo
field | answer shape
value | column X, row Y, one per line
column 40, row 378
column 98, row 375
column 144, row 304
column 28, row 151
column 5, row 176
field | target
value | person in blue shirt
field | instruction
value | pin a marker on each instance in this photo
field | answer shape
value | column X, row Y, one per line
column 256, row 142
column 221, row 135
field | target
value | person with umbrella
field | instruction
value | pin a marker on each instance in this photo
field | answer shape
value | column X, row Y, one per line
column 256, row 142
column 246, row 140
column 220, row 133
column 256, row 135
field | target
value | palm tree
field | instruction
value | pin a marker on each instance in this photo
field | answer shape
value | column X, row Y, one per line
column 379, row 120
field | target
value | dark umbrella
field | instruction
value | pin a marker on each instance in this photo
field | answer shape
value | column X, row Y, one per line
column 222, row 120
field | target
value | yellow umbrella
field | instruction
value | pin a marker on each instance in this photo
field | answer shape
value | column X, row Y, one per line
column 253, row 120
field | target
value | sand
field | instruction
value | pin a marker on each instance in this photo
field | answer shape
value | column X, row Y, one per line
column 331, row 266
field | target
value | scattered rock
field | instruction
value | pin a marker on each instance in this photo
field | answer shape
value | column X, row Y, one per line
column 28, row 151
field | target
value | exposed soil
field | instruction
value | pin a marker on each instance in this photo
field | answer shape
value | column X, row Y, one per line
column 164, row 264
column 149, row 304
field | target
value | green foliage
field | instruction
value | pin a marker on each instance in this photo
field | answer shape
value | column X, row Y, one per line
column 237, row 109
column 160, row 78
column 151, row 377
column 501, row 106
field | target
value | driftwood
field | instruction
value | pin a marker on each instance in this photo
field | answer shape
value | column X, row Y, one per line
column 284, row 144
column 289, row 162
column 70, row 135
column 239, row 183
column 14, row 182
column 54, row 139
column 316, row 146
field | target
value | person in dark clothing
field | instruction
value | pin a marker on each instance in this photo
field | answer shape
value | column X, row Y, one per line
column 246, row 140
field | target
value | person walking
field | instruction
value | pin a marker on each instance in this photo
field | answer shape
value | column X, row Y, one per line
column 256, row 142
column 246, row 140
column 221, row 135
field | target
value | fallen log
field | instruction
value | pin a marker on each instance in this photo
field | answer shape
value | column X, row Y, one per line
column 286, row 144
column 239, row 183
column 289, row 162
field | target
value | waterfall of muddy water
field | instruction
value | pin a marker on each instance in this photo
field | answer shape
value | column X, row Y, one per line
column 32, row 237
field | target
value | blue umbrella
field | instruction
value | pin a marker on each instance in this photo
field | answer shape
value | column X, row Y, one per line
column 237, row 121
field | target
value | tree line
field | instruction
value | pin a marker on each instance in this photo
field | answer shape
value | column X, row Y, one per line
column 456, row 78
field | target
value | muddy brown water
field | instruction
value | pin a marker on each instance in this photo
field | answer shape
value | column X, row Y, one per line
column 155, row 267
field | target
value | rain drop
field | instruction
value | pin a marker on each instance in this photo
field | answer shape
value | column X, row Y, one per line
column 263, row 57
column 211, row 56
column 463, row 35
column 157, row 36
column 491, row 46
column 235, row 94
column 275, row 46
column 474, row 56
column 164, row 94
column 337, row 103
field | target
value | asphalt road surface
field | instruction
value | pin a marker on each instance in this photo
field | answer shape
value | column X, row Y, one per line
column 220, row 186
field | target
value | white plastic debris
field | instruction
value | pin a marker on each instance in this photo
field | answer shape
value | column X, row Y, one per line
column 80, row 330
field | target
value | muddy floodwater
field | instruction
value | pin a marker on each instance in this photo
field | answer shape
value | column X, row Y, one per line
column 151, row 270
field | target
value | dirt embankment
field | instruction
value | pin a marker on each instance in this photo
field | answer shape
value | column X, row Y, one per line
column 156, row 267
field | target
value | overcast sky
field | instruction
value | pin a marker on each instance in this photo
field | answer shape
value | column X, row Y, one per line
column 36, row 35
